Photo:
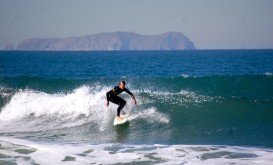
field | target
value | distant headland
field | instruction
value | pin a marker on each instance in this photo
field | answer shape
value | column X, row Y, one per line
column 108, row 41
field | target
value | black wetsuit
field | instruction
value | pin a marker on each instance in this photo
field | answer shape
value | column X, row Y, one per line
column 112, row 96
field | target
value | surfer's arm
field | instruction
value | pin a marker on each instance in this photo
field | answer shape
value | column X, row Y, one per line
column 108, row 95
column 130, row 93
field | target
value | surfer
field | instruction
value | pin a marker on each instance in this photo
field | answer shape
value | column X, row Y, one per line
column 112, row 96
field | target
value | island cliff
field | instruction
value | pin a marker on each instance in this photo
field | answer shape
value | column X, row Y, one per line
column 110, row 41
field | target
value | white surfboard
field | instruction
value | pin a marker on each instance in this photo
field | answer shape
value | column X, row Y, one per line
column 124, row 120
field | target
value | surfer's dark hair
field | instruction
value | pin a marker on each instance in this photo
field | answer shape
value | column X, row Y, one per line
column 122, row 82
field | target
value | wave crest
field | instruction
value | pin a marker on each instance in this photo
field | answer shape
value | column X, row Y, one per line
column 32, row 110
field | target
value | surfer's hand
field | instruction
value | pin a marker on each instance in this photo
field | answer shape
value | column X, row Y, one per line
column 107, row 103
column 134, row 100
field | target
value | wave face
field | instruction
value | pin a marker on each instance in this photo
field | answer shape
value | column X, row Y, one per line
column 229, row 110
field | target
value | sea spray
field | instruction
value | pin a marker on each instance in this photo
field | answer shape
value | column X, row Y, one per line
column 36, row 111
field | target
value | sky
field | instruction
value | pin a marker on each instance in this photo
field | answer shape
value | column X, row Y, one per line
column 210, row 24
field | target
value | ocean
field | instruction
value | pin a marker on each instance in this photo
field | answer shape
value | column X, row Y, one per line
column 194, row 107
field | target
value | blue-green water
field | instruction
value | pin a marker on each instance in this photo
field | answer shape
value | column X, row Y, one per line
column 220, row 97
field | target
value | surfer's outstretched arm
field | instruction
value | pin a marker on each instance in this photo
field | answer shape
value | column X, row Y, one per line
column 131, row 94
column 108, row 97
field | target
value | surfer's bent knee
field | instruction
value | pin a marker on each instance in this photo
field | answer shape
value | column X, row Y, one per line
column 123, row 103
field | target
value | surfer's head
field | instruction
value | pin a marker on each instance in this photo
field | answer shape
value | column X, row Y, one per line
column 122, row 84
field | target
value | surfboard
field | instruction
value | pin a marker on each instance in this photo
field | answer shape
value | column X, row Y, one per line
column 124, row 120
column 124, row 115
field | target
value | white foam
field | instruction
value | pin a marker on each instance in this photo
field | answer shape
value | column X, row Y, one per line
column 183, row 97
column 185, row 75
column 151, row 115
column 30, row 110
column 5, row 91
column 268, row 74
column 122, row 153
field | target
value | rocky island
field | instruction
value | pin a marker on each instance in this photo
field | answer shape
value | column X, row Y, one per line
column 109, row 41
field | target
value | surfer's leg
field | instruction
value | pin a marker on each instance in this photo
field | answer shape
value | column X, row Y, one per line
column 119, row 101
column 121, row 105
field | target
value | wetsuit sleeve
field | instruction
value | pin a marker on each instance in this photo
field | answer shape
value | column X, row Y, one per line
column 108, row 95
column 130, row 93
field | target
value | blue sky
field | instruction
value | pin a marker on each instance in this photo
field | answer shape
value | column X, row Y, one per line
column 210, row 24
